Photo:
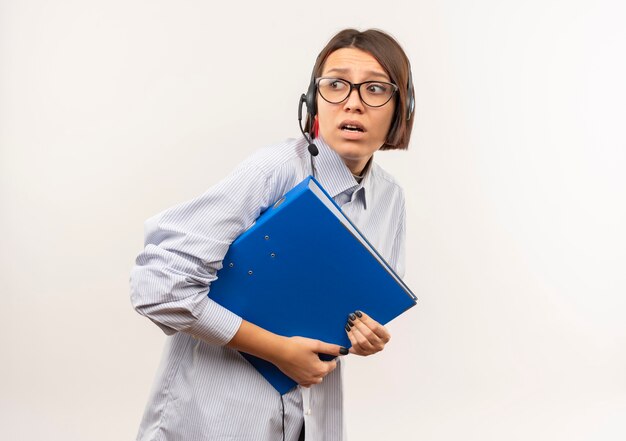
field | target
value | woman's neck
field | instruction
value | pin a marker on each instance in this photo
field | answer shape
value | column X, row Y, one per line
column 359, row 170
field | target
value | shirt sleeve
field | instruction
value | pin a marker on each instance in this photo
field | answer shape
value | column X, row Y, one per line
column 184, row 249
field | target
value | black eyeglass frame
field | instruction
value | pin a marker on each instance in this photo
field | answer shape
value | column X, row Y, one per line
column 356, row 86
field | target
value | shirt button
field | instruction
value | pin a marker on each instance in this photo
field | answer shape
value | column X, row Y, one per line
column 308, row 411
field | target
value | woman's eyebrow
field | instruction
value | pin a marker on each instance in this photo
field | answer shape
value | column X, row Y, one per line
column 371, row 73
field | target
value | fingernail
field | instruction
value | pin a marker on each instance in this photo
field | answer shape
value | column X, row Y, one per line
column 348, row 328
column 359, row 313
column 352, row 316
column 351, row 323
column 343, row 351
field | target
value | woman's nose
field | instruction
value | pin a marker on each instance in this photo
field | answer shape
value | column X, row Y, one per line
column 353, row 102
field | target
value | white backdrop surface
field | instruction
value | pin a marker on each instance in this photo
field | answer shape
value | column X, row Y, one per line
column 516, row 191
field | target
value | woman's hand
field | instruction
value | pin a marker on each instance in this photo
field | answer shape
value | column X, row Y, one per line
column 296, row 357
column 366, row 334
column 300, row 361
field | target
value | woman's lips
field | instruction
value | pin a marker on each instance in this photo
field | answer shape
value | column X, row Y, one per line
column 352, row 135
column 351, row 129
column 351, row 125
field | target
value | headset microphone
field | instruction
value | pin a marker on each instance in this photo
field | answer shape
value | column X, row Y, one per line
column 313, row 150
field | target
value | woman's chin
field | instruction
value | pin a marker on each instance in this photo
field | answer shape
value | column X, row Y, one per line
column 353, row 155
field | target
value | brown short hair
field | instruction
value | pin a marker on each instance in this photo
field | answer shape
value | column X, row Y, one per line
column 392, row 58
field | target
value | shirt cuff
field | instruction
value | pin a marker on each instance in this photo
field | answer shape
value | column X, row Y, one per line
column 216, row 325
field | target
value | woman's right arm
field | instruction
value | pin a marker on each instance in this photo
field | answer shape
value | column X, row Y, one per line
column 184, row 249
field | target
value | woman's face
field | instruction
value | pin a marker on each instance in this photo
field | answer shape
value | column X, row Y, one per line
column 354, row 146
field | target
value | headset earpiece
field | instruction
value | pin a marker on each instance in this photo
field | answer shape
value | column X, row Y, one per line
column 410, row 97
column 311, row 98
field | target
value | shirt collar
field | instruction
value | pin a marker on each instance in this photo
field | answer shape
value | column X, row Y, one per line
column 334, row 174
column 366, row 182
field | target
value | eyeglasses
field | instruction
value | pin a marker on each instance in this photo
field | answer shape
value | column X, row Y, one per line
column 337, row 90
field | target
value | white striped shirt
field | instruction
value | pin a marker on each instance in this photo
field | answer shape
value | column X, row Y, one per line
column 204, row 390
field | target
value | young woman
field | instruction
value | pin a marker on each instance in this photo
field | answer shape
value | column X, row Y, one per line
column 360, row 100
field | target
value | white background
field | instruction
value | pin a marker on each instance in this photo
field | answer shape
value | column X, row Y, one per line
column 112, row 111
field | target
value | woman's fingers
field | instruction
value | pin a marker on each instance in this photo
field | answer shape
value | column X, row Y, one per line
column 330, row 349
column 378, row 329
column 366, row 334
column 300, row 360
column 360, row 345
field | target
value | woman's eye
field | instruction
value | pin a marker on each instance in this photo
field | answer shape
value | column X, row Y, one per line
column 377, row 88
column 337, row 85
